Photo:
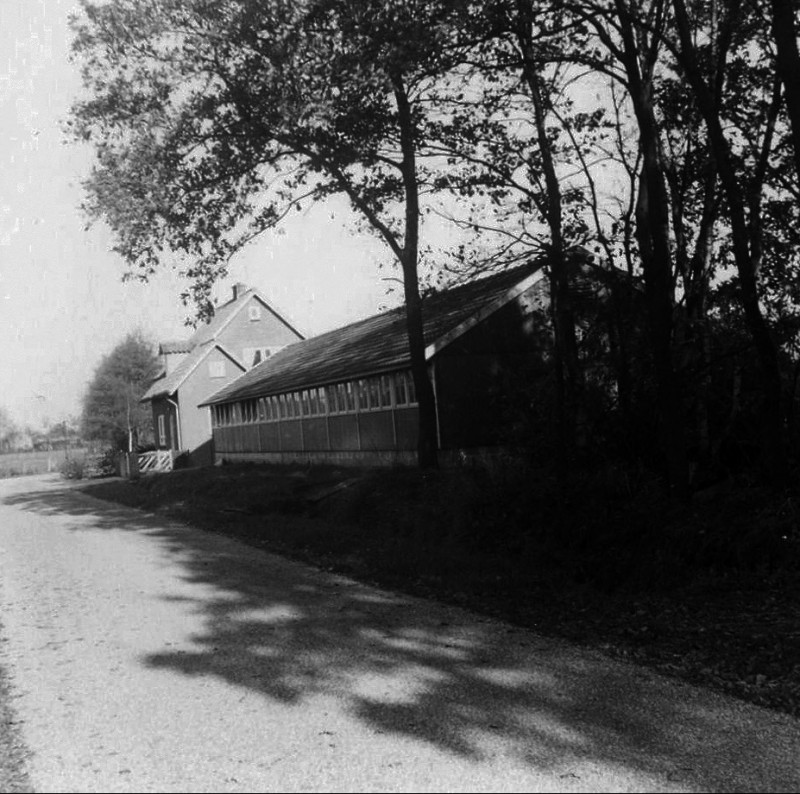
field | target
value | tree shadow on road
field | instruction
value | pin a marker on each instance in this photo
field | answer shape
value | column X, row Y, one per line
column 439, row 675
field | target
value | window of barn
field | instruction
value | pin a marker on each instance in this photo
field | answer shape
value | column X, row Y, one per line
column 330, row 398
column 386, row 391
column 400, row 390
column 362, row 395
column 412, row 391
column 374, row 393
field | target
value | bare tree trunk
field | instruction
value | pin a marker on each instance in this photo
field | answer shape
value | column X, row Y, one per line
column 128, row 421
column 784, row 32
column 427, row 440
column 746, row 251
column 569, row 376
column 653, row 237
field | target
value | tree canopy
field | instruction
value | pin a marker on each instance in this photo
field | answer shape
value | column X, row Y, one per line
column 112, row 413
column 539, row 128
column 9, row 432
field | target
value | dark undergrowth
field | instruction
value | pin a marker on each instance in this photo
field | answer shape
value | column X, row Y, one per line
column 707, row 590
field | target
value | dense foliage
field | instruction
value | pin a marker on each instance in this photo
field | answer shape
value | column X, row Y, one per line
column 659, row 136
column 8, row 430
column 112, row 413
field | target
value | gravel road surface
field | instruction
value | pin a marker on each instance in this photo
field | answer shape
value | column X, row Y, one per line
column 148, row 656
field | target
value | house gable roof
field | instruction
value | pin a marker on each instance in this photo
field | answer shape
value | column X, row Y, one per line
column 166, row 386
column 223, row 315
column 379, row 343
column 195, row 345
column 182, row 346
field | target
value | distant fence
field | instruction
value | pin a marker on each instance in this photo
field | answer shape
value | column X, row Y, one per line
column 20, row 464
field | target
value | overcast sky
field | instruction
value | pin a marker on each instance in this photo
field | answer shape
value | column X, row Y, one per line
column 62, row 303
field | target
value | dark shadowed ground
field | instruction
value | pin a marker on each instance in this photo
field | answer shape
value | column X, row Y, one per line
column 175, row 653
column 682, row 607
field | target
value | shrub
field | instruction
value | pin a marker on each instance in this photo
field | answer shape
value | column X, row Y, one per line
column 72, row 468
column 102, row 464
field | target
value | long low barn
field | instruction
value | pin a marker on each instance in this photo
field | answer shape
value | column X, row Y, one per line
column 348, row 396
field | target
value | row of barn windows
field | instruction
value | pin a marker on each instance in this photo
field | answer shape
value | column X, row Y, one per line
column 366, row 394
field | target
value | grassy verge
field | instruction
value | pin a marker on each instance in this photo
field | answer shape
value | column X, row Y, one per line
column 707, row 591
column 13, row 754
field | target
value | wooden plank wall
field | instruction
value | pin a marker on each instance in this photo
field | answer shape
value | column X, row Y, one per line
column 393, row 429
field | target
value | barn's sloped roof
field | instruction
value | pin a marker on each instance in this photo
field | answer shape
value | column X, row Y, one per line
column 377, row 344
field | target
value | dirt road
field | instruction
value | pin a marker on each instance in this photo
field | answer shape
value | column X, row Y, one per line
column 147, row 656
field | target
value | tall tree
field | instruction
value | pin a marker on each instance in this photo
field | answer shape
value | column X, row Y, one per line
column 743, row 178
column 212, row 121
column 112, row 412
column 9, row 432
column 784, row 33
column 514, row 164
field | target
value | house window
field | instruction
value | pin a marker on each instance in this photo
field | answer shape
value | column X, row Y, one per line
column 162, row 430
column 255, row 355
column 254, row 313
column 216, row 369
